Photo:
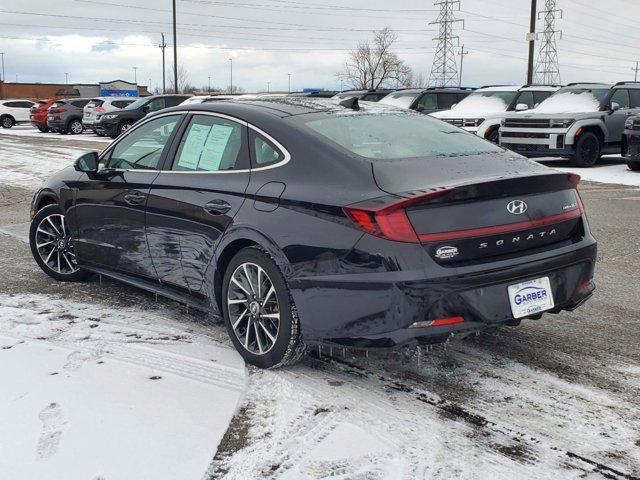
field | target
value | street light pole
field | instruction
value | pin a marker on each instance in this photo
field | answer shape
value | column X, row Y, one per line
column 135, row 75
column 289, row 82
column 162, row 46
column 175, row 50
column 66, row 79
column 268, row 87
column 209, row 85
column 3, row 77
column 231, row 85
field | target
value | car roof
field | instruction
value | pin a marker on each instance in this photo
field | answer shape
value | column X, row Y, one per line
column 540, row 88
column 500, row 88
column 281, row 107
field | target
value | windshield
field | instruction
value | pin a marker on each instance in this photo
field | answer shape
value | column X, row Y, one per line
column 482, row 103
column 137, row 104
column 400, row 99
column 398, row 135
column 573, row 100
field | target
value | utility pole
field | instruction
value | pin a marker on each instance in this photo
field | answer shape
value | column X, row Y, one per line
column 547, row 67
column 209, row 85
column 636, row 70
column 66, row 78
column 162, row 46
column 531, row 38
column 463, row 53
column 289, row 82
column 444, row 71
column 135, row 75
column 268, row 87
column 175, row 50
column 231, row 84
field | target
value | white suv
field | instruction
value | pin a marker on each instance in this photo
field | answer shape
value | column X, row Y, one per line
column 483, row 110
column 14, row 111
column 99, row 106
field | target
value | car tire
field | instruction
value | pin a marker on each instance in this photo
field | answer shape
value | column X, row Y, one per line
column 43, row 129
column 262, row 322
column 7, row 121
column 634, row 165
column 123, row 127
column 52, row 245
column 75, row 127
column 587, row 150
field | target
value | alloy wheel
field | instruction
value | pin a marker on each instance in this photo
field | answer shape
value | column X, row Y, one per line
column 589, row 150
column 253, row 307
column 7, row 122
column 54, row 245
column 75, row 127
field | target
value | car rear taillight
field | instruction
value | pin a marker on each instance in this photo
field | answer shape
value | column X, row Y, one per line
column 574, row 179
column 389, row 220
column 99, row 109
column 57, row 110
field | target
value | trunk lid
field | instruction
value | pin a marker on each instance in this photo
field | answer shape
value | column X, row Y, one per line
column 498, row 205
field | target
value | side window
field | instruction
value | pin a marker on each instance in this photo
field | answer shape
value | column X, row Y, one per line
column 447, row 100
column 121, row 103
column 173, row 101
column 539, row 97
column 13, row 104
column 429, row 101
column 142, row 148
column 80, row 103
column 621, row 97
column 265, row 152
column 634, row 97
column 211, row 144
column 155, row 105
column 526, row 98
column 462, row 96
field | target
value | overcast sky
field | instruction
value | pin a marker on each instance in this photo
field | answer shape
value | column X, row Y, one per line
column 100, row 40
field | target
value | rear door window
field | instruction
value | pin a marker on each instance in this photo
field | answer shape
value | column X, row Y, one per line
column 173, row 101
column 157, row 104
column 212, row 144
column 121, row 103
column 79, row 103
column 447, row 100
column 19, row 104
column 429, row 101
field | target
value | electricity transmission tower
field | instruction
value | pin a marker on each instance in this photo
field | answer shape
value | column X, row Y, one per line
column 444, row 71
column 547, row 67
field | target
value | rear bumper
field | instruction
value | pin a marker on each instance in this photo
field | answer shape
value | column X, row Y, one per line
column 109, row 129
column 378, row 310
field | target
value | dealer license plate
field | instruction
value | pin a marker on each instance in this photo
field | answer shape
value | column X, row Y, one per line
column 531, row 297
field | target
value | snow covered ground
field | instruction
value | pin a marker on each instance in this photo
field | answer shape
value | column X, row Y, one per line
column 29, row 131
column 610, row 169
column 90, row 392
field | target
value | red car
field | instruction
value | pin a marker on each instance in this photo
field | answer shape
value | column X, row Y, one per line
column 38, row 114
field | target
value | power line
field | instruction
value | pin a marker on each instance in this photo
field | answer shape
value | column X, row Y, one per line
column 444, row 71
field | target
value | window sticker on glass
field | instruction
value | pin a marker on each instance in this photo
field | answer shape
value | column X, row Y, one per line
column 215, row 147
column 204, row 147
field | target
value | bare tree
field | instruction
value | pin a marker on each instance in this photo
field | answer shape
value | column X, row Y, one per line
column 236, row 89
column 183, row 79
column 373, row 65
column 420, row 81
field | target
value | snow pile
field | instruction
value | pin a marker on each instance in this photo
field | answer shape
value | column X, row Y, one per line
column 90, row 392
column 568, row 102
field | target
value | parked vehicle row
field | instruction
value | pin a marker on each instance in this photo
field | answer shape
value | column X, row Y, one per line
column 320, row 222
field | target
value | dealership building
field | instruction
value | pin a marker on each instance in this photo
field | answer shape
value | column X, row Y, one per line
column 36, row 91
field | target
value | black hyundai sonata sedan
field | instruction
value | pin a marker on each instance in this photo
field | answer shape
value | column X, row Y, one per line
column 305, row 221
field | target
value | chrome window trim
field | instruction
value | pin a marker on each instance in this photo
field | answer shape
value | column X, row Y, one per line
column 279, row 146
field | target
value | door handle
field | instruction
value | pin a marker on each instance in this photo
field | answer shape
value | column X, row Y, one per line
column 217, row 207
column 134, row 198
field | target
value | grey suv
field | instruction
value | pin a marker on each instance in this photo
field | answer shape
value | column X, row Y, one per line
column 427, row 100
column 65, row 116
column 581, row 121
column 631, row 143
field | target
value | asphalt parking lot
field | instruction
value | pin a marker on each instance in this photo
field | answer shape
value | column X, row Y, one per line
column 556, row 397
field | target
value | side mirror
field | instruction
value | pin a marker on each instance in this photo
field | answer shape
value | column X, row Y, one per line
column 420, row 108
column 87, row 163
column 521, row 107
column 615, row 106
column 145, row 109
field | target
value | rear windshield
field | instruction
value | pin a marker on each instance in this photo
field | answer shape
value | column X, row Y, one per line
column 573, row 100
column 400, row 99
column 396, row 135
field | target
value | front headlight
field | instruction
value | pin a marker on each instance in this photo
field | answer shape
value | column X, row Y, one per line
column 632, row 123
column 562, row 123
column 109, row 117
column 473, row 122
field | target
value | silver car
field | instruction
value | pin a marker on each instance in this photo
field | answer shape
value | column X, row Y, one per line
column 99, row 106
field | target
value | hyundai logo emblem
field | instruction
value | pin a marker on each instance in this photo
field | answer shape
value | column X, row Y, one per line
column 517, row 207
